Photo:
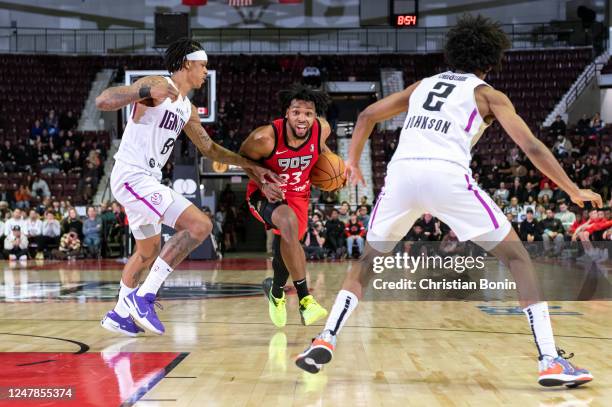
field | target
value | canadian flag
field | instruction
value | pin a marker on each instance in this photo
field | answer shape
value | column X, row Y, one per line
column 240, row 3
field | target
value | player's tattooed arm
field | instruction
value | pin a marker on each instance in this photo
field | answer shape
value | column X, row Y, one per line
column 149, row 87
column 214, row 151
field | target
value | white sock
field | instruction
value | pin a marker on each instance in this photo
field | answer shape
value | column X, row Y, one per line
column 121, row 308
column 158, row 274
column 539, row 320
column 344, row 305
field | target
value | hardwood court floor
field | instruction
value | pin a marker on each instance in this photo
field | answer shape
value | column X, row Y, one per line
column 221, row 350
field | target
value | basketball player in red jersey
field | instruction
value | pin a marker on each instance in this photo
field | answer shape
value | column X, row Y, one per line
column 290, row 147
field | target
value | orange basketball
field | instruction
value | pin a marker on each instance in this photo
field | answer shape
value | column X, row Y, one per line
column 328, row 172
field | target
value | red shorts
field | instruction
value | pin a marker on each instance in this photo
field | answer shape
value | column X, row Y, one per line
column 262, row 209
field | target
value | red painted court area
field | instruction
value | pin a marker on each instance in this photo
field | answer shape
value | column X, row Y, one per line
column 96, row 379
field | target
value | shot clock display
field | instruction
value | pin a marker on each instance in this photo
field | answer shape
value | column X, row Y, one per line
column 405, row 20
column 404, row 13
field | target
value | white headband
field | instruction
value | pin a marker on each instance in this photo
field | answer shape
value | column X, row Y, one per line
column 197, row 56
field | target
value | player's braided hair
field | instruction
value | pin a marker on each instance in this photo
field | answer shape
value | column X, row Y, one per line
column 476, row 43
column 305, row 93
column 176, row 52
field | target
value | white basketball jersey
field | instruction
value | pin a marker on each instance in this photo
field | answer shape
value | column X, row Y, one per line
column 149, row 142
column 443, row 120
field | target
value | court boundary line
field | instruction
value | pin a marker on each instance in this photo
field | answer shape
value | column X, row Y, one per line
column 83, row 347
column 346, row 326
column 146, row 387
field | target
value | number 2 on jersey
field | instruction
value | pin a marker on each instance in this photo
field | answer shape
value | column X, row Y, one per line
column 429, row 103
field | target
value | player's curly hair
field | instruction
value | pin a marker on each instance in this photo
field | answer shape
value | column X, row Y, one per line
column 475, row 43
column 299, row 91
column 177, row 51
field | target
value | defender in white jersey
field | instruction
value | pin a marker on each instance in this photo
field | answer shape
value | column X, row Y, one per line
column 429, row 172
column 161, row 110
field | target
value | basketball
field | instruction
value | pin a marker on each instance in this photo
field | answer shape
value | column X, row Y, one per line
column 328, row 172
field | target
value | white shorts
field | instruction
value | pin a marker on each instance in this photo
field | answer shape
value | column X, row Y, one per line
column 147, row 203
column 442, row 188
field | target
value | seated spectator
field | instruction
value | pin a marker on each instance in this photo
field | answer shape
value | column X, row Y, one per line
column 72, row 222
column 502, row 193
column 51, row 232
column 67, row 121
column 92, row 228
column 70, row 246
column 545, row 202
column 343, row 212
column 552, row 231
column 530, row 191
column 596, row 125
column 16, row 244
column 364, row 202
column 562, row 147
column 517, row 190
column 530, row 228
column 363, row 216
column 545, row 191
column 43, row 206
column 40, row 188
column 16, row 219
column 515, row 209
column 430, row 226
column 23, row 196
column 51, row 122
column 593, row 229
column 355, row 232
column 314, row 242
column 566, row 217
column 88, row 182
column 583, row 126
column 580, row 220
column 530, row 204
column 57, row 210
column 334, row 231
column 36, row 131
column 34, row 230
column 558, row 127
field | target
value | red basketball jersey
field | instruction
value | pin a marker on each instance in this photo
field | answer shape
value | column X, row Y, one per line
column 293, row 164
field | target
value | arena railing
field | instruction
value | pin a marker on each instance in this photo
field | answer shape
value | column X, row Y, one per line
column 265, row 41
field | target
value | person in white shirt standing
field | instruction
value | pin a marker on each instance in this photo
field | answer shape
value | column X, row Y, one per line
column 430, row 172
column 160, row 111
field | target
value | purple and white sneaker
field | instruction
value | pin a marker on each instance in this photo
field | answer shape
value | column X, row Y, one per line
column 142, row 309
column 115, row 323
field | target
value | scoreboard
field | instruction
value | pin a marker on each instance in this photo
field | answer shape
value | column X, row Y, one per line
column 404, row 13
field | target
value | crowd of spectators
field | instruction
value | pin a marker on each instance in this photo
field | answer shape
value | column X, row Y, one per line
column 538, row 210
column 54, row 230
column 53, row 146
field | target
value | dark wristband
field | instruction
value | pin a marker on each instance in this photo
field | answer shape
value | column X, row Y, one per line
column 144, row 92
